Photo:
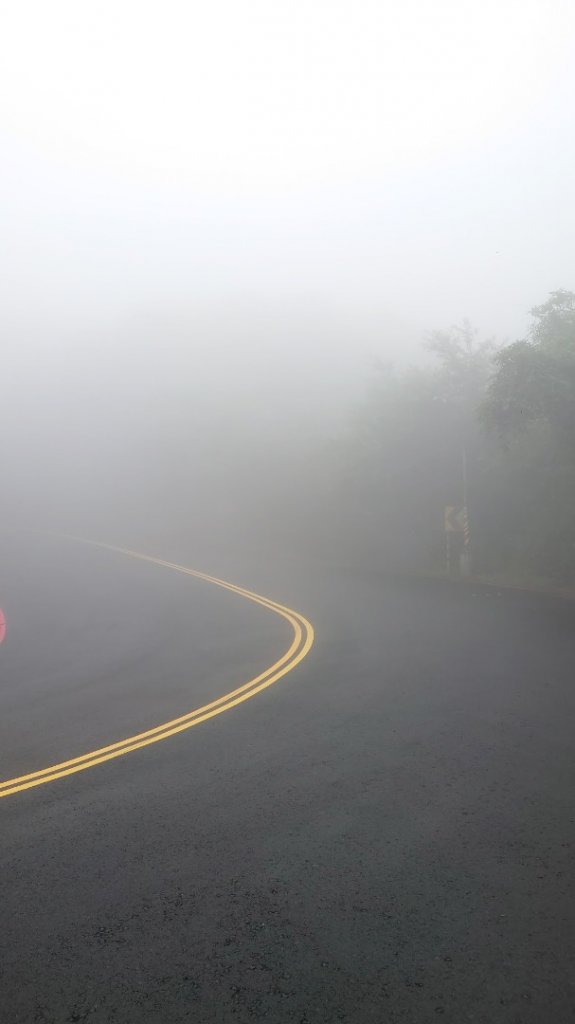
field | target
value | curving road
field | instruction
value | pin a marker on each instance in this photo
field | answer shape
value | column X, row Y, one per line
column 384, row 834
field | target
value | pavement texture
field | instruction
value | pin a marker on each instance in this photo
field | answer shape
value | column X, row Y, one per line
column 385, row 835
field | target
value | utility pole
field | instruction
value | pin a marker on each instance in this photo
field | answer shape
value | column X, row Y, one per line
column 465, row 556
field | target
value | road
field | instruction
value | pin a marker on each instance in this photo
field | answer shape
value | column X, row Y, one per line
column 386, row 833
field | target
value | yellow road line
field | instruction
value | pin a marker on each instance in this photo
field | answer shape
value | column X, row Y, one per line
column 301, row 644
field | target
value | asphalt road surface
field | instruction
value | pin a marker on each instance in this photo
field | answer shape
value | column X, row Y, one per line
column 386, row 834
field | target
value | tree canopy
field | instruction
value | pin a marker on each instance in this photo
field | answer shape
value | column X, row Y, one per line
column 510, row 409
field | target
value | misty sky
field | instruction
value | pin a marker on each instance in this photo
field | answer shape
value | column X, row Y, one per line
column 308, row 178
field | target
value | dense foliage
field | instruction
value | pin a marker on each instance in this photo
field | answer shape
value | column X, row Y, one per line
column 506, row 415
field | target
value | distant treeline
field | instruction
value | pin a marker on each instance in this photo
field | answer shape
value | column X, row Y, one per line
column 505, row 413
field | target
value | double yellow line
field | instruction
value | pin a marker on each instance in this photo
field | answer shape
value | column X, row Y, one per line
column 302, row 641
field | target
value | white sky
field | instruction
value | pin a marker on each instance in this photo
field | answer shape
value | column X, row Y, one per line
column 361, row 171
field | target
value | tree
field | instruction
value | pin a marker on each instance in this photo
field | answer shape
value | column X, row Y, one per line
column 534, row 380
column 384, row 485
column 530, row 406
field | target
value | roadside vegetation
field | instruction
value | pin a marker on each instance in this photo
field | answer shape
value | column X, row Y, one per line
column 502, row 415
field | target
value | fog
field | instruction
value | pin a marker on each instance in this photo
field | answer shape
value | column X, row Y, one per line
column 218, row 218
